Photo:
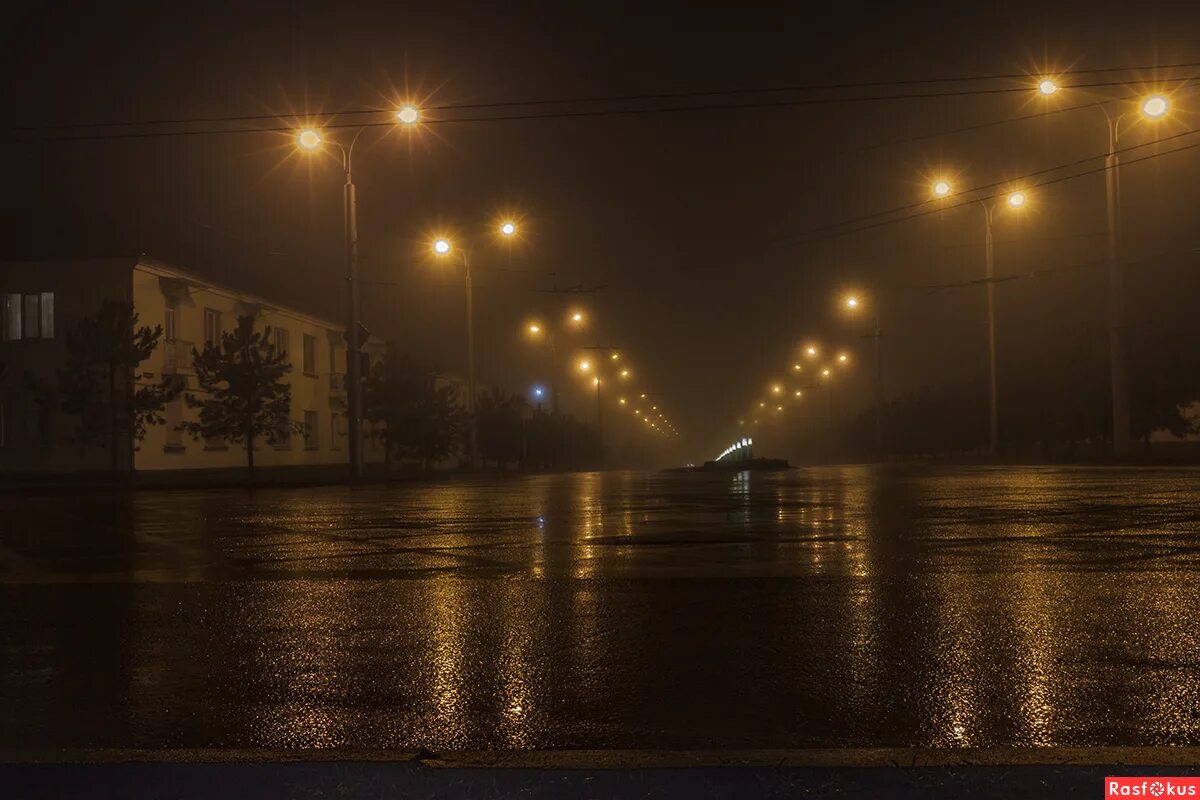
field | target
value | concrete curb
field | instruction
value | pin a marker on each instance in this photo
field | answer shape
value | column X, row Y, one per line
column 638, row 759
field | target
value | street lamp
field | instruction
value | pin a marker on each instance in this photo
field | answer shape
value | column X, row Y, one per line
column 508, row 228
column 1153, row 107
column 310, row 140
column 853, row 303
column 1015, row 200
column 442, row 247
column 941, row 189
column 1047, row 86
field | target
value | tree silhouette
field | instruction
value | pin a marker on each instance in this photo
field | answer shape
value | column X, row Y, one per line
column 413, row 416
column 245, row 397
column 100, row 385
column 501, row 427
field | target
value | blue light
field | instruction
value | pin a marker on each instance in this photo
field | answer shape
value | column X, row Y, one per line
column 538, row 392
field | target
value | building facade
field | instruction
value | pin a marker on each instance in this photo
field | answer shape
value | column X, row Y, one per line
column 41, row 302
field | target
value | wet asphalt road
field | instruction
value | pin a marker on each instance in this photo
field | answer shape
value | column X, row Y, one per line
column 839, row 607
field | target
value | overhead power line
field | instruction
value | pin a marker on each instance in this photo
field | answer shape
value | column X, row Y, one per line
column 941, row 201
column 310, row 116
column 993, row 196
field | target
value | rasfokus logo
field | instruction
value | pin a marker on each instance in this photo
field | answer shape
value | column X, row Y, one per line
column 1156, row 786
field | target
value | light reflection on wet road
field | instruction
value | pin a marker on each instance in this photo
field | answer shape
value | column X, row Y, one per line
column 848, row 606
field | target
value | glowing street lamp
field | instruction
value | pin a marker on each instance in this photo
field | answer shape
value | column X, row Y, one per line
column 811, row 351
column 408, row 115
column 584, row 365
column 535, row 329
column 842, row 358
column 941, row 188
column 442, row 247
column 1016, row 199
column 1154, row 107
column 308, row 139
column 1047, row 86
column 508, row 228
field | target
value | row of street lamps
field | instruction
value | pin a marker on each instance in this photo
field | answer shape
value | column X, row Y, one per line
column 1151, row 108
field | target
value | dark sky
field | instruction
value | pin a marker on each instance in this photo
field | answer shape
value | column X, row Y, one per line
column 700, row 225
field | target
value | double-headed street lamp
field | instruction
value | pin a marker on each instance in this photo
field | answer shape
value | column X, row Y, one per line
column 443, row 247
column 576, row 320
column 1153, row 107
column 310, row 140
column 1014, row 201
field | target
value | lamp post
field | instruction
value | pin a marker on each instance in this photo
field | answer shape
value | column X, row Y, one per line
column 310, row 140
column 443, row 247
column 1015, row 201
column 1153, row 107
column 854, row 303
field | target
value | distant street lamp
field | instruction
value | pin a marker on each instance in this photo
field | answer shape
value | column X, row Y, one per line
column 1153, row 107
column 853, row 304
column 310, row 140
column 443, row 247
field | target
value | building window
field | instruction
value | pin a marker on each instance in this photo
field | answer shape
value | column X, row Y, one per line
column 47, row 314
column 312, row 437
column 32, row 317
column 172, row 323
column 212, row 327
column 12, row 317
column 283, row 342
column 310, row 355
column 334, row 440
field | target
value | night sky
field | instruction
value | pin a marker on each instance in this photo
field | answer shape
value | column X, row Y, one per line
column 707, row 228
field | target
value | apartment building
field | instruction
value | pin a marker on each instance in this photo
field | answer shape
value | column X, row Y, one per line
column 41, row 301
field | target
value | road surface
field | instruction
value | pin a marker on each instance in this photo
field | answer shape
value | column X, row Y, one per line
column 836, row 607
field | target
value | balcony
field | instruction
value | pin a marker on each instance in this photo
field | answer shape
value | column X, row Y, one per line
column 177, row 357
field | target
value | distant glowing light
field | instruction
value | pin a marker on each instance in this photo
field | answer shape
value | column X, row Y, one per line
column 1016, row 199
column 797, row 367
column 441, row 247
column 308, row 139
column 852, row 302
column 842, row 357
column 621, row 401
column 762, row 405
column 585, row 365
column 624, row 373
column 538, row 391
column 825, row 373
column 811, row 350
column 508, row 228
column 615, row 356
column 776, row 389
column 779, row 408
column 941, row 188
column 1047, row 87
column 577, row 317
column 408, row 115
column 799, row 393
column 535, row 328
column 1155, row 106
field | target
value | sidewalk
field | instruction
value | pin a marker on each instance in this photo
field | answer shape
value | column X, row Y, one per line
column 566, row 775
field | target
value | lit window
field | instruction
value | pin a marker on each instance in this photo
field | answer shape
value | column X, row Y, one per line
column 47, row 315
column 12, row 317
column 32, row 318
